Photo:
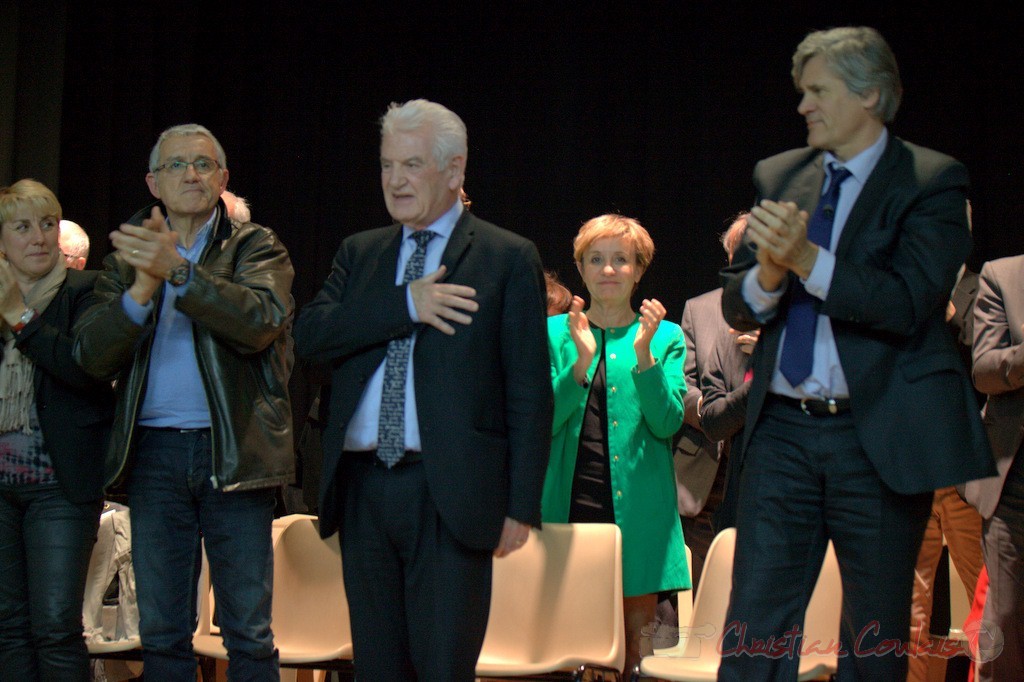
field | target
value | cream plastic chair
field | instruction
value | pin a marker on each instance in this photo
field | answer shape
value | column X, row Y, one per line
column 112, row 632
column 556, row 605
column 696, row 658
column 310, row 610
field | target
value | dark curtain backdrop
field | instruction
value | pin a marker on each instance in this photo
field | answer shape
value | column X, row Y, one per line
column 655, row 111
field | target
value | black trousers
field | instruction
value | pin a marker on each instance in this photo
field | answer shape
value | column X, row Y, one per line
column 806, row 480
column 419, row 599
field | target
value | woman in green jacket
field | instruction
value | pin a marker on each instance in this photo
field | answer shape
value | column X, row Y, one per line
column 618, row 385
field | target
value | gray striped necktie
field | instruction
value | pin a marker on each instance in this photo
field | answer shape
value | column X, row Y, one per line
column 391, row 427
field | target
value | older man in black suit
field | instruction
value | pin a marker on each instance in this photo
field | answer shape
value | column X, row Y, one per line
column 440, row 417
column 860, row 406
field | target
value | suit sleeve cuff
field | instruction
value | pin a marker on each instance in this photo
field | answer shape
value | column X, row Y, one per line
column 762, row 303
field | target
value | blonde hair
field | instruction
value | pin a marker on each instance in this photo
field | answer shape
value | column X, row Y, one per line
column 614, row 226
column 29, row 193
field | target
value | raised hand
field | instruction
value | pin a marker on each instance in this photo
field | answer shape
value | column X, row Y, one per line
column 583, row 337
column 652, row 312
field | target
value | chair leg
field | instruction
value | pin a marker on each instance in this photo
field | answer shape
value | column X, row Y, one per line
column 207, row 668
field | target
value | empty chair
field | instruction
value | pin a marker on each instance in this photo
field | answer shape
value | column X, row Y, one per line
column 696, row 658
column 556, row 604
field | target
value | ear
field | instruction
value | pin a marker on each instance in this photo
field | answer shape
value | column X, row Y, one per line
column 870, row 99
column 223, row 181
column 151, row 183
column 456, row 173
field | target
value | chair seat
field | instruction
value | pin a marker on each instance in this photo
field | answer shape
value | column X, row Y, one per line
column 99, row 647
column 291, row 654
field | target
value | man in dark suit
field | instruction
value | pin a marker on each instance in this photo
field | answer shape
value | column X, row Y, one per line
column 699, row 458
column 859, row 406
column 434, row 455
column 999, row 372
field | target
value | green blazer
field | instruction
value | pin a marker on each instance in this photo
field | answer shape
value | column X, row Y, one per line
column 644, row 412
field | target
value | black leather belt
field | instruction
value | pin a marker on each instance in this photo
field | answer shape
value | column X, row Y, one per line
column 814, row 407
column 174, row 429
column 370, row 457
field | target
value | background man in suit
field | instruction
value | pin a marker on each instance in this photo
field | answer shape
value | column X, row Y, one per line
column 999, row 372
column 699, row 457
column 424, row 500
column 859, row 406
column 951, row 518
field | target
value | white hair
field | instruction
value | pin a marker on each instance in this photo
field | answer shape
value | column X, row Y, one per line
column 73, row 240
column 183, row 130
column 448, row 129
column 238, row 207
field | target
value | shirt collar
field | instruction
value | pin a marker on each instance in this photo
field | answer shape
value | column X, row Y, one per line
column 443, row 226
column 202, row 235
column 860, row 166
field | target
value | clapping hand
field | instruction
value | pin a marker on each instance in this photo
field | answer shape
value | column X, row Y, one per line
column 652, row 312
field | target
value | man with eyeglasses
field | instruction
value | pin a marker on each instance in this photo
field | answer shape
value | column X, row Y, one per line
column 193, row 324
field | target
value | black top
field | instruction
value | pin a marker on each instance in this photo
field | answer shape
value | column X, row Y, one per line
column 591, row 484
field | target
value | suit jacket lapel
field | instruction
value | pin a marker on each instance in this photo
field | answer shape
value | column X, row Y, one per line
column 462, row 237
column 873, row 192
column 386, row 265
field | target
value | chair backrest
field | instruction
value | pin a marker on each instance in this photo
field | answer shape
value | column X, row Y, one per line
column 556, row 603
column 711, row 604
column 820, row 643
column 310, row 609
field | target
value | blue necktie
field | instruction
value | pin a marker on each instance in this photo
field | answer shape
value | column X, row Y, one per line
column 801, row 323
column 391, row 427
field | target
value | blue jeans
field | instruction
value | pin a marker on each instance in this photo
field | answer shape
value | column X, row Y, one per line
column 45, row 545
column 172, row 503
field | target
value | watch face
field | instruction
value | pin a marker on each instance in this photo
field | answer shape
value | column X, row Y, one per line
column 179, row 275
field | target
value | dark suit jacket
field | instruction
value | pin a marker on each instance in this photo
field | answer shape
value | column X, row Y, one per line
column 75, row 410
column 483, row 396
column 896, row 262
column 724, row 414
column 999, row 371
column 696, row 456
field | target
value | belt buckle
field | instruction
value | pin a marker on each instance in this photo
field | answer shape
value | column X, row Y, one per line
column 833, row 407
column 803, row 407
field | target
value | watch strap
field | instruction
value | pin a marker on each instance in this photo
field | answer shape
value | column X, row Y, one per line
column 26, row 317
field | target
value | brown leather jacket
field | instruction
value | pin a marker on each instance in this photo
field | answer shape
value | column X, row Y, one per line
column 240, row 301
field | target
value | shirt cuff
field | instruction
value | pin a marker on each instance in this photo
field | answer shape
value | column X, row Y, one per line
column 762, row 303
column 410, row 305
column 135, row 312
column 819, row 281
